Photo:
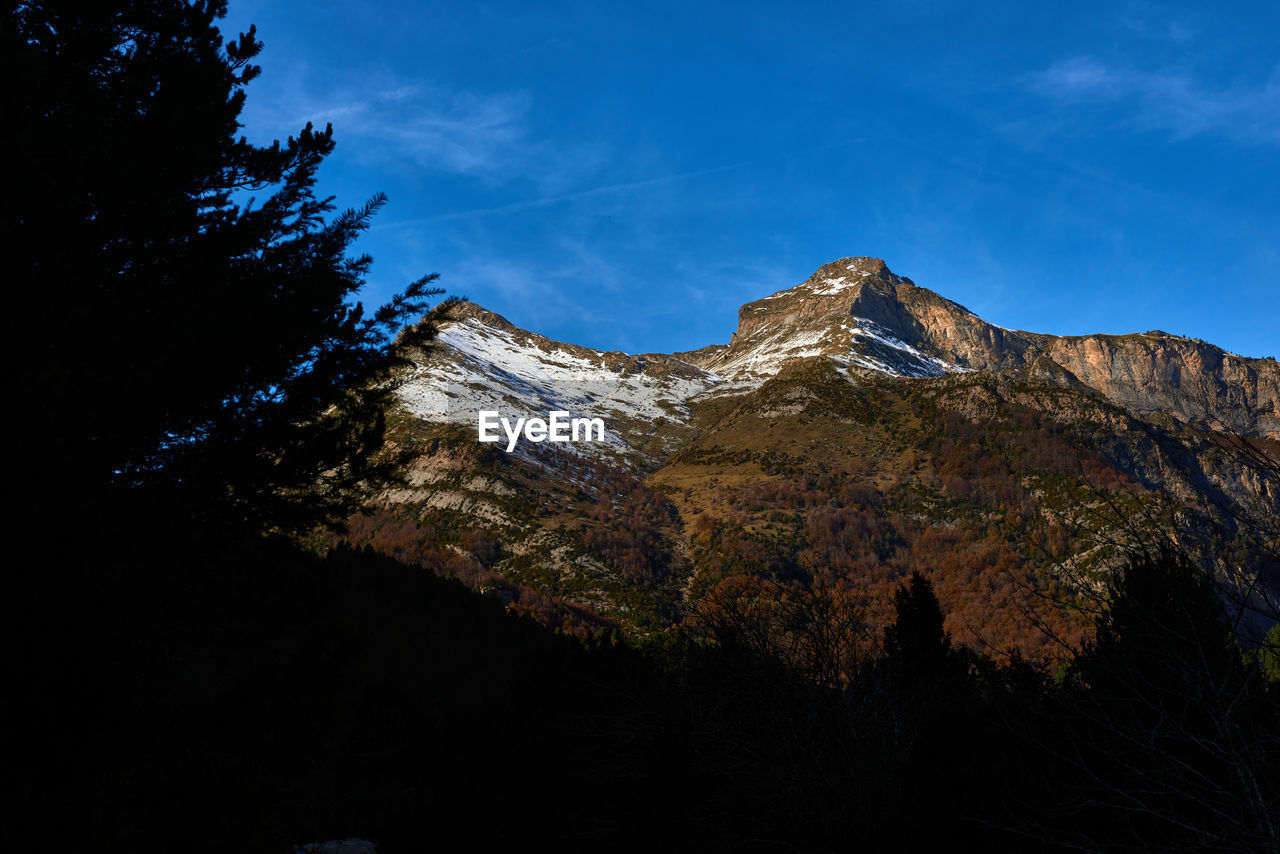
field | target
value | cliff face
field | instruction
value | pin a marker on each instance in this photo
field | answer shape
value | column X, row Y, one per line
column 960, row 335
column 1194, row 381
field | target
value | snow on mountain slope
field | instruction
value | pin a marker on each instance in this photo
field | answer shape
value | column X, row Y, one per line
column 482, row 362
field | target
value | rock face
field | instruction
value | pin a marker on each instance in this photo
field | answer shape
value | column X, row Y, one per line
column 849, row 310
column 1192, row 380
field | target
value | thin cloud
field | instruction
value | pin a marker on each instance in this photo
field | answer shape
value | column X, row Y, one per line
column 499, row 284
column 609, row 189
column 1174, row 102
column 412, row 123
column 1158, row 28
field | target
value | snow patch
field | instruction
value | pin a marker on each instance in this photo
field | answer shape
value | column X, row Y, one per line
column 477, row 367
column 917, row 363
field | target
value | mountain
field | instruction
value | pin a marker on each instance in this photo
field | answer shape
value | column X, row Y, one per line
column 865, row 317
column 862, row 315
column 484, row 362
column 855, row 427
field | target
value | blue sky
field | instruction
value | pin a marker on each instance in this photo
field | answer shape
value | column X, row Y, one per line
column 624, row 176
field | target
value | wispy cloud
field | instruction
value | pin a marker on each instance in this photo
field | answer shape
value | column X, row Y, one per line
column 460, row 132
column 1171, row 101
column 1158, row 27
column 411, row 122
column 593, row 192
column 543, row 295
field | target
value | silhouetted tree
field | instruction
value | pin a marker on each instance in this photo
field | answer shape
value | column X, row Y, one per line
column 917, row 641
column 1163, row 637
column 1174, row 739
column 175, row 332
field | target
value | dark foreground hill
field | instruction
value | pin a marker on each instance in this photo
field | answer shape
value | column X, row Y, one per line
column 199, row 690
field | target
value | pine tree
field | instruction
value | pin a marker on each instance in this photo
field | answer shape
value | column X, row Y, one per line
column 1164, row 639
column 182, row 300
column 917, row 642
column 1174, row 735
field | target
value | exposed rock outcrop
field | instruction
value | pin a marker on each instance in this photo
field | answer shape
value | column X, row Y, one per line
column 1192, row 380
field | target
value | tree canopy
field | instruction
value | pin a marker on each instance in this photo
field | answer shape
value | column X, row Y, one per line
column 183, row 299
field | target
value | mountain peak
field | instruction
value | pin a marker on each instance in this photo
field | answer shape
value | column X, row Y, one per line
column 474, row 311
column 856, row 267
column 865, row 317
column 840, row 277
